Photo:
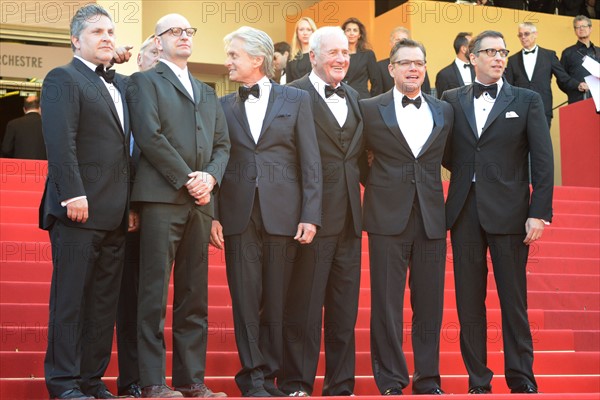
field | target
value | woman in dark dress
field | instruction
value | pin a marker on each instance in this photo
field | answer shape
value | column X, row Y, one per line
column 299, row 65
column 363, row 64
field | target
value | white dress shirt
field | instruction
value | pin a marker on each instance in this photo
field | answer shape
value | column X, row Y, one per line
column 415, row 123
column 182, row 74
column 529, row 61
column 337, row 105
column 256, row 109
column 465, row 72
column 483, row 105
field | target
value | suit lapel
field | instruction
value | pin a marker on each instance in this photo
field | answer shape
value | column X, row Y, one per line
column 97, row 82
column 166, row 72
column 459, row 78
column 275, row 104
column 438, row 122
column 505, row 97
column 388, row 113
column 239, row 111
column 521, row 64
column 466, row 102
column 357, row 137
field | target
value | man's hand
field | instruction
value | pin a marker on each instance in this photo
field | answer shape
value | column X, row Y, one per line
column 134, row 221
column 216, row 235
column 583, row 87
column 78, row 210
column 200, row 185
column 122, row 55
column 534, row 228
column 306, row 233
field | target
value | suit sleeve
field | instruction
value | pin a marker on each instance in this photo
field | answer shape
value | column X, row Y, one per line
column 374, row 74
column 221, row 146
column 440, row 82
column 142, row 99
column 310, row 163
column 542, row 162
column 60, row 122
column 509, row 73
column 8, row 144
column 565, row 82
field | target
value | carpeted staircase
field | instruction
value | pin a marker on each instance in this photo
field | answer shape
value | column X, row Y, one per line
column 564, row 302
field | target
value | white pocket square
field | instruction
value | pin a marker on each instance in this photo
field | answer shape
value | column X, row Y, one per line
column 511, row 114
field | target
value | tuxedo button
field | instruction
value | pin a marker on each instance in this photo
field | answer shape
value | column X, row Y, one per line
column 413, row 181
column 479, row 149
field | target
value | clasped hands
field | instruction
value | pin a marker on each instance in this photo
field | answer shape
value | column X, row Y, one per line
column 199, row 186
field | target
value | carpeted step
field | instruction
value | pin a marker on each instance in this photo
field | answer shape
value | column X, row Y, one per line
column 554, row 387
column 569, row 319
column 24, row 364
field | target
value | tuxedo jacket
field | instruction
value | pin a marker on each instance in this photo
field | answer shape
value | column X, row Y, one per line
column 449, row 77
column 396, row 176
column 546, row 65
column 24, row 138
column 283, row 167
column 362, row 70
column 88, row 148
column 516, row 127
column 387, row 82
column 176, row 135
column 341, row 172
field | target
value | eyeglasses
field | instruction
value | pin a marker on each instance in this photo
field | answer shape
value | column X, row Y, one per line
column 179, row 31
column 492, row 52
column 524, row 34
column 409, row 63
column 581, row 26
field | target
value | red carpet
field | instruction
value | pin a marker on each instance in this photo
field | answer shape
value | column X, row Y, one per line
column 564, row 302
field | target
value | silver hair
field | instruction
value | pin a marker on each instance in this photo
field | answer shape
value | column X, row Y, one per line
column 316, row 39
column 149, row 40
column 528, row 25
column 257, row 44
column 83, row 16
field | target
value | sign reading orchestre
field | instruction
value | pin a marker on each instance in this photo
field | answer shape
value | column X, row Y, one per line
column 29, row 61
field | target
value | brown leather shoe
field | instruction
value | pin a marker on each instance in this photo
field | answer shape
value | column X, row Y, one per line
column 199, row 390
column 160, row 392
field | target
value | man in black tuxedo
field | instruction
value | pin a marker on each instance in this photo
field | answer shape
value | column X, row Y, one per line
column 86, row 129
column 533, row 67
column 129, row 376
column 270, row 197
column 180, row 128
column 24, row 138
column 404, row 215
column 327, row 273
column 572, row 57
column 489, row 207
column 397, row 34
column 460, row 72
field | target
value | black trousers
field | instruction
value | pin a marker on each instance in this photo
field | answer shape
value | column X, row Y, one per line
column 470, row 244
column 87, row 266
column 325, row 276
column 258, row 272
column 173, row 233
column 391, row 257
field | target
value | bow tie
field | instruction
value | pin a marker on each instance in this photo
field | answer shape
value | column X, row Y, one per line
column 478, row 90
column 466, row 65
column 529, row 52
column 330, row 91
column 247, row 91
column 108, row 75
column 416, row 101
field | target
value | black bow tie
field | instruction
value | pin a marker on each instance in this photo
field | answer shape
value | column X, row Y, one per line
column 416, row 102
column 247, row 91
column 529, row 52
column 108, row 75
column 466, row 65
column 329, row 91
column 478, row 90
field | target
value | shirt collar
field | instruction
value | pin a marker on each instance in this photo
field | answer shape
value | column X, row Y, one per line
column 398, row 95
column 533, row 49
column 460, row 63
column 263, row 83
column 500, row 82
column 175, row 68
column 87, row 63
column 319, row 84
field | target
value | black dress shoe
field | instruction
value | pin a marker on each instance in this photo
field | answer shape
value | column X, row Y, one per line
column 257, row 392
column 73, row 394
column 393, row 391
column 133, row 390
column 274, row 391
column 436, row 390
column 104, row 393
column 479, row 390
column 525, row 389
